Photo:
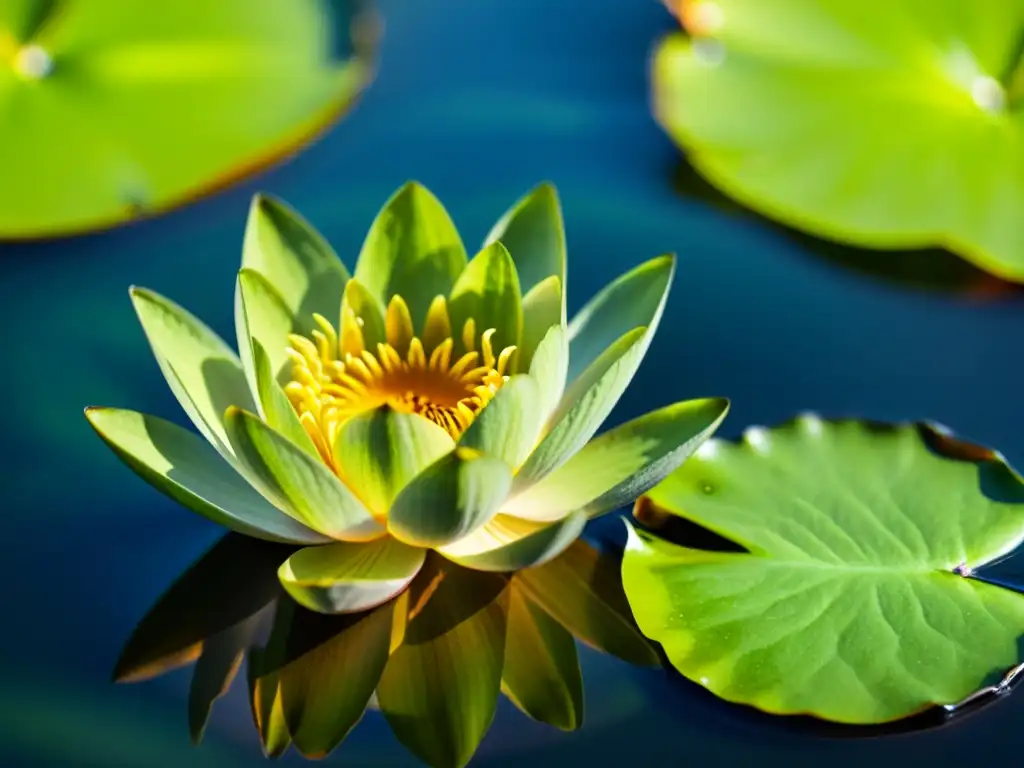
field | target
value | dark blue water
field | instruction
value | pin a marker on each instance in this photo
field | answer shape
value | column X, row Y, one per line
column 480, row 100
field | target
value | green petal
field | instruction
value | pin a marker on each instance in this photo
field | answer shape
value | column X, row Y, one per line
column 413, row 249
column 215, row 671
column 233, row 581
column 440, row 686
column 277, row 409
column 380, row 451
column 508, row 426
column 582, row 590
column 542, row 309
column 549, row 366
column 368, row 310
column 488, row 292
column 450, row 499
column 203, row 372
column 346, row 577
column 584, row 407
column 534, row 234
column 622, row 464
column 295, row 259
column 300, row 485
column 261, row 318
column 637, row 298
column 509, row 543
column 338, row 663
column 184, row 467
column 542, row 670
column 263, row 323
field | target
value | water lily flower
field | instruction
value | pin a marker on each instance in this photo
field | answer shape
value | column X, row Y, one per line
column 424, row 402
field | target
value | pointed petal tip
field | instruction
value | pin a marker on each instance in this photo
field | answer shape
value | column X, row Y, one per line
column 413, row 187
column 265, row 201
column 546, row 189
column 501, row 248
column 668, row 260
column 140, row 292
column 722, row 404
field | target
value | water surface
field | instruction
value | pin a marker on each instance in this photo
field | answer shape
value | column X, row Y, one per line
column 480, row 100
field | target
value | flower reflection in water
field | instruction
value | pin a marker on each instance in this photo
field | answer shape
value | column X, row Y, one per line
column 433, row 659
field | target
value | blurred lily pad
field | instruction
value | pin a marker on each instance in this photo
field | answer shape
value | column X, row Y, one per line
column 932, row 270
column 855, row 598
column 110, row 110
column 885, row 123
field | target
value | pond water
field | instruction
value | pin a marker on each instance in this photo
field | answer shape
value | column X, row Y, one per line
column 480, row 100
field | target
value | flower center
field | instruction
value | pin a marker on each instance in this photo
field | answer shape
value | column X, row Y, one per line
column 334, row 379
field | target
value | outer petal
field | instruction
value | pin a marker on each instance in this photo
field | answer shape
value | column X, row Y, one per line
column 450, row 499
column 203, row 372
column 622, row 464
column 542, row 309
column 584, row 407
column 534, row 234
column 488, row 292
column 440, row 686
column 380, row 451
column 541, row 675
column 509, row 543
column 412, row 250
column 347, row 577
column 508, row 426
column 637, row 298
column 185, row 467
column 296, row 482
column 295, row 259
column 549, row 366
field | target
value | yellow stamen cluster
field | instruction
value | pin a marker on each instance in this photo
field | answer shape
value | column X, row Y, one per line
column 335, row 377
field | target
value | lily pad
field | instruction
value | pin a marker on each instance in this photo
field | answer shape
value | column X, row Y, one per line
column 887, row 124
column 112, row 110
column 854, row 597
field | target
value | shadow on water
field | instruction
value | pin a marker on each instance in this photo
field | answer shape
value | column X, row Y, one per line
column 228, row 608
column 928, row 269
column 930, row 719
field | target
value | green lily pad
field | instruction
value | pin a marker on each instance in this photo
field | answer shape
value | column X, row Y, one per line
column 888, row 124
column 112, row 110
column 854, row 600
